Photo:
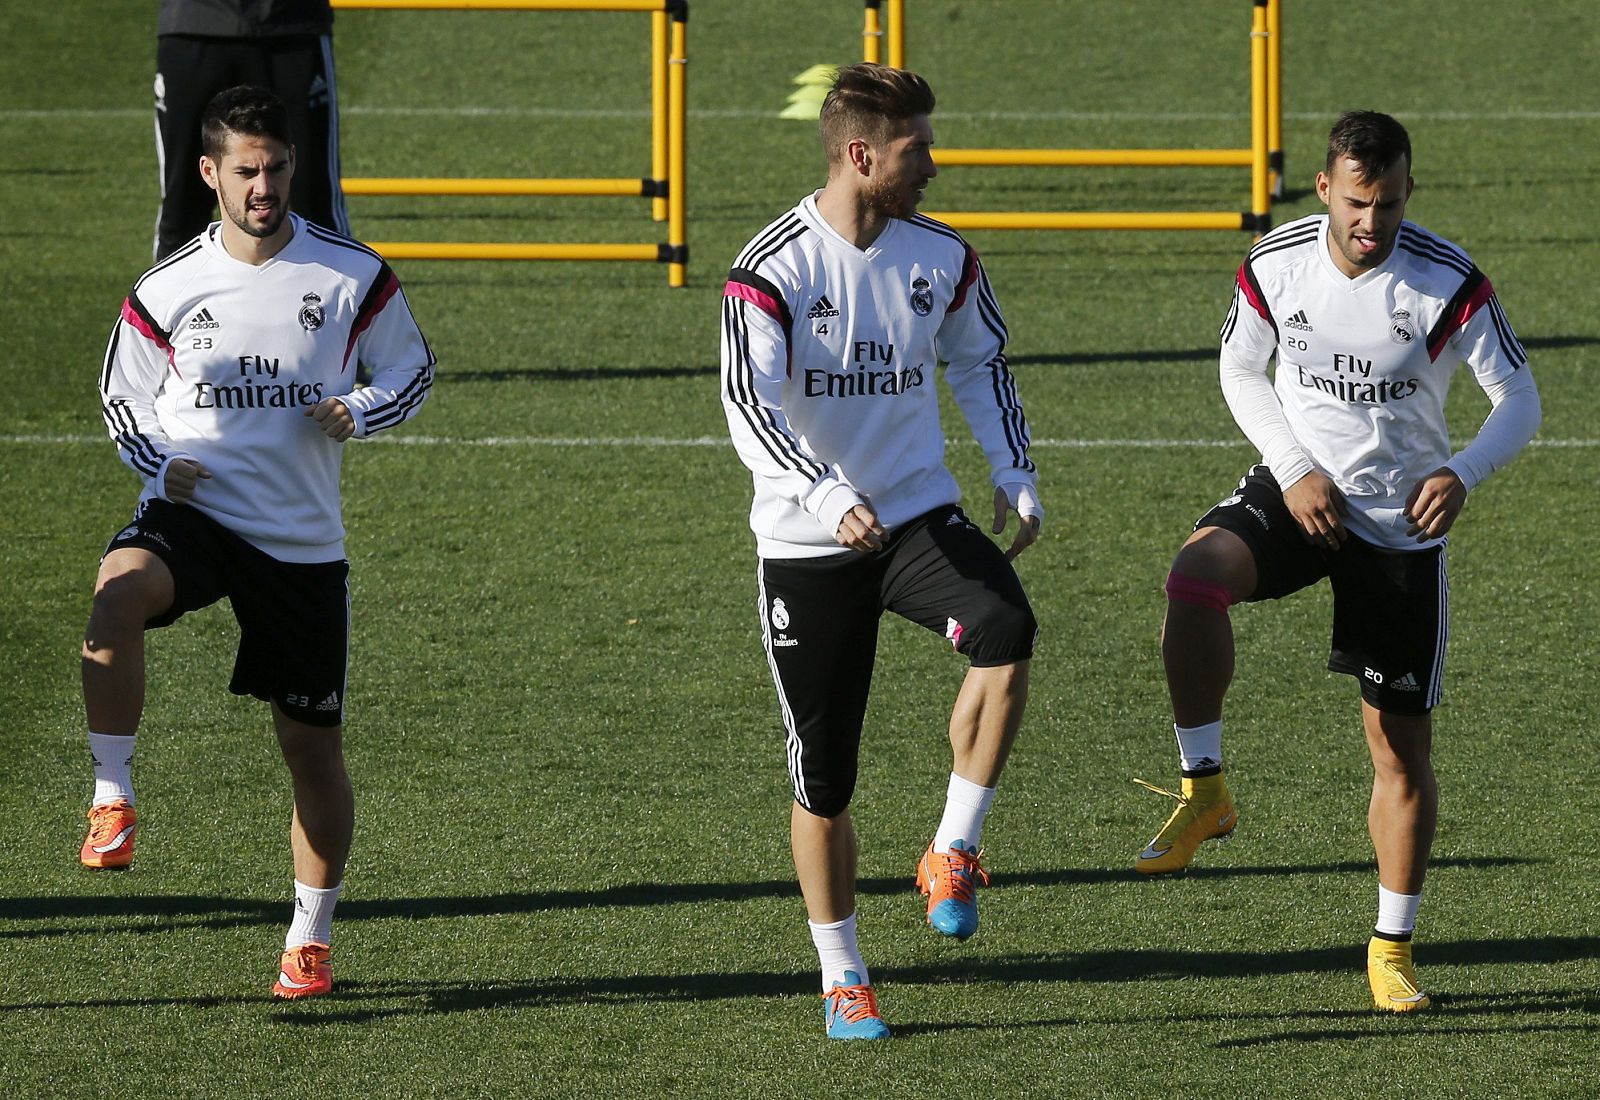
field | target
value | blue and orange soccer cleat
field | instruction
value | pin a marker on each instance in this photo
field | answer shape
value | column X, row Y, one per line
column 110, row 839
column 304, row 971
column 852, row 1010
column 950, row 879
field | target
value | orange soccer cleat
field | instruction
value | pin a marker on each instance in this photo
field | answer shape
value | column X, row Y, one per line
column 304, row 971
column 950, row 879
column 110, row 839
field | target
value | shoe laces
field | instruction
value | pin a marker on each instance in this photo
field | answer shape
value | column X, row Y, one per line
column 306, row 957
column 854, row 1002
column 1182, row 799
column 960, row 867
column 106, row 821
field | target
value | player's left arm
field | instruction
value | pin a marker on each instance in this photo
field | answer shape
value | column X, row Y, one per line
column 1487, row 344
column 972, row 341
column 387, row 338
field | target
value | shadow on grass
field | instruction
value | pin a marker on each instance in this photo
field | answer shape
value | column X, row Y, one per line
column 358, row 1002
column 1179, row 355
column 213, row 911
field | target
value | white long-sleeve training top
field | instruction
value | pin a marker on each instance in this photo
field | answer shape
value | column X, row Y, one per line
column 1364, row 366
column 828, row 368
column 217, row 360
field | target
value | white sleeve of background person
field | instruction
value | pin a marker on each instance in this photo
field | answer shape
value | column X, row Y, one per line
column 1248, row 344
column 402, row 366
column 972, row 342
column 755, row 358
column 1497, row 360
column 130, row 381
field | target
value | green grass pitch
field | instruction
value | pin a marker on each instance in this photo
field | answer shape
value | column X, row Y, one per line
column 571, row 874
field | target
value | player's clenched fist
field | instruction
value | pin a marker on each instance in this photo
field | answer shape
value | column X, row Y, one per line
column 334, row 418
column 183, row 474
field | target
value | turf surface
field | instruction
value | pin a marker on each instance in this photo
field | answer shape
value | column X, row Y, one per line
column 571, row 876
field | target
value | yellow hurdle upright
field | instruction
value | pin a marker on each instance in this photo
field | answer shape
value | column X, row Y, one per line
column 1264, row 156
column 664, row 187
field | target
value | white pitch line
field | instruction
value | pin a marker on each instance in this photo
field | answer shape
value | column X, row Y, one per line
column 659, row 441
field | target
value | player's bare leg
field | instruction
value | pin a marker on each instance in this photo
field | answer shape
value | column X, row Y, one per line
column 133, row 587
column 825, row 861
column 320, row 835
column 984, row 722
column 1405, row 796
column 1401, row 819
column 1197, row 641
column 1213, row 570
column 324, row 804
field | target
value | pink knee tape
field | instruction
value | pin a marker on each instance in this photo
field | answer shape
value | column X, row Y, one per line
column 1214, row 597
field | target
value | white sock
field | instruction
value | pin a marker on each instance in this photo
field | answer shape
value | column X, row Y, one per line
column 1200, row 747
column 313, row 915
column 1397, row 913
column 837, row 951
column 965, row 805
column 113, row 767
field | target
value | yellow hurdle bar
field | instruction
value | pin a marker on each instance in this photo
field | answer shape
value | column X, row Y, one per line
column 872, row 33
column 1092, row 220
column 460, row 186
column 1264, row 157
column 1275, row 95
column 677, row 178
column 1188, row 158
column 658, row 109
column 666, row 187
column 457, row 250
column 1260, row 187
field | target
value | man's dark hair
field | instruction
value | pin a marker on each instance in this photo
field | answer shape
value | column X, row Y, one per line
column 1375, row 141
column 866, row 102
column 243, row 109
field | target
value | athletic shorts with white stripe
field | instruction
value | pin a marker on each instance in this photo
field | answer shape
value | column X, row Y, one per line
column 819, row 622
column 1391, row 608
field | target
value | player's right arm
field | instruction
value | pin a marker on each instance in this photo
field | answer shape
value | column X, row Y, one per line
column 756, row 323
column 137, row 360
column 1249, row 341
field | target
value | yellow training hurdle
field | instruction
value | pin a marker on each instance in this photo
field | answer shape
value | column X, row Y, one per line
column 664, row 187
column 1264, row 157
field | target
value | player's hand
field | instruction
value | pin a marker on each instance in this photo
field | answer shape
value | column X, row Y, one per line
column 334, row 418
column 1022, row 500
column 1434, row 503
column 860, row 530
column 1319, row 508
column 183, row 474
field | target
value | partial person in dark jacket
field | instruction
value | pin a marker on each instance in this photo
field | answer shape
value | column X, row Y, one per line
column 204, row 46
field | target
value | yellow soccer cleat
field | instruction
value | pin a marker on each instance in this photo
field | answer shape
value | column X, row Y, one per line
column 1392, row 977
column 1205, row 811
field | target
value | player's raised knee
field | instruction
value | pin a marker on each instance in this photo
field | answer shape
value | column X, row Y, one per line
column 125, row 598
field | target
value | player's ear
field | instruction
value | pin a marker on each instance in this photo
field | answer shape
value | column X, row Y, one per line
column 291, row 162
column 208, row 171
column 1322, row 186
column 859, row 154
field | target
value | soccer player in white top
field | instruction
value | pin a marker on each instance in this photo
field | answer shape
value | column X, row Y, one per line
column 229, row 387
column 834, row 320
column 1368, row 317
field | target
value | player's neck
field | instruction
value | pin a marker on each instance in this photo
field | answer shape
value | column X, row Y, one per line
column 255, row 250
column 844, row 209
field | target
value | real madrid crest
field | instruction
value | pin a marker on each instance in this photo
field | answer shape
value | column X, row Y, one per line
column 780, row 615
column 311, row 315
column 1400, row 330
column 921, row 297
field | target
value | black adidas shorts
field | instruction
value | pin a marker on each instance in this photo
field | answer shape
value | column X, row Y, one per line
column 294, row 619
column 819, row 620
column 1391, row 608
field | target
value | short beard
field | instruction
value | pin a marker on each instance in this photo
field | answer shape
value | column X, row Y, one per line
column 265, row 230
column 888, row 198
